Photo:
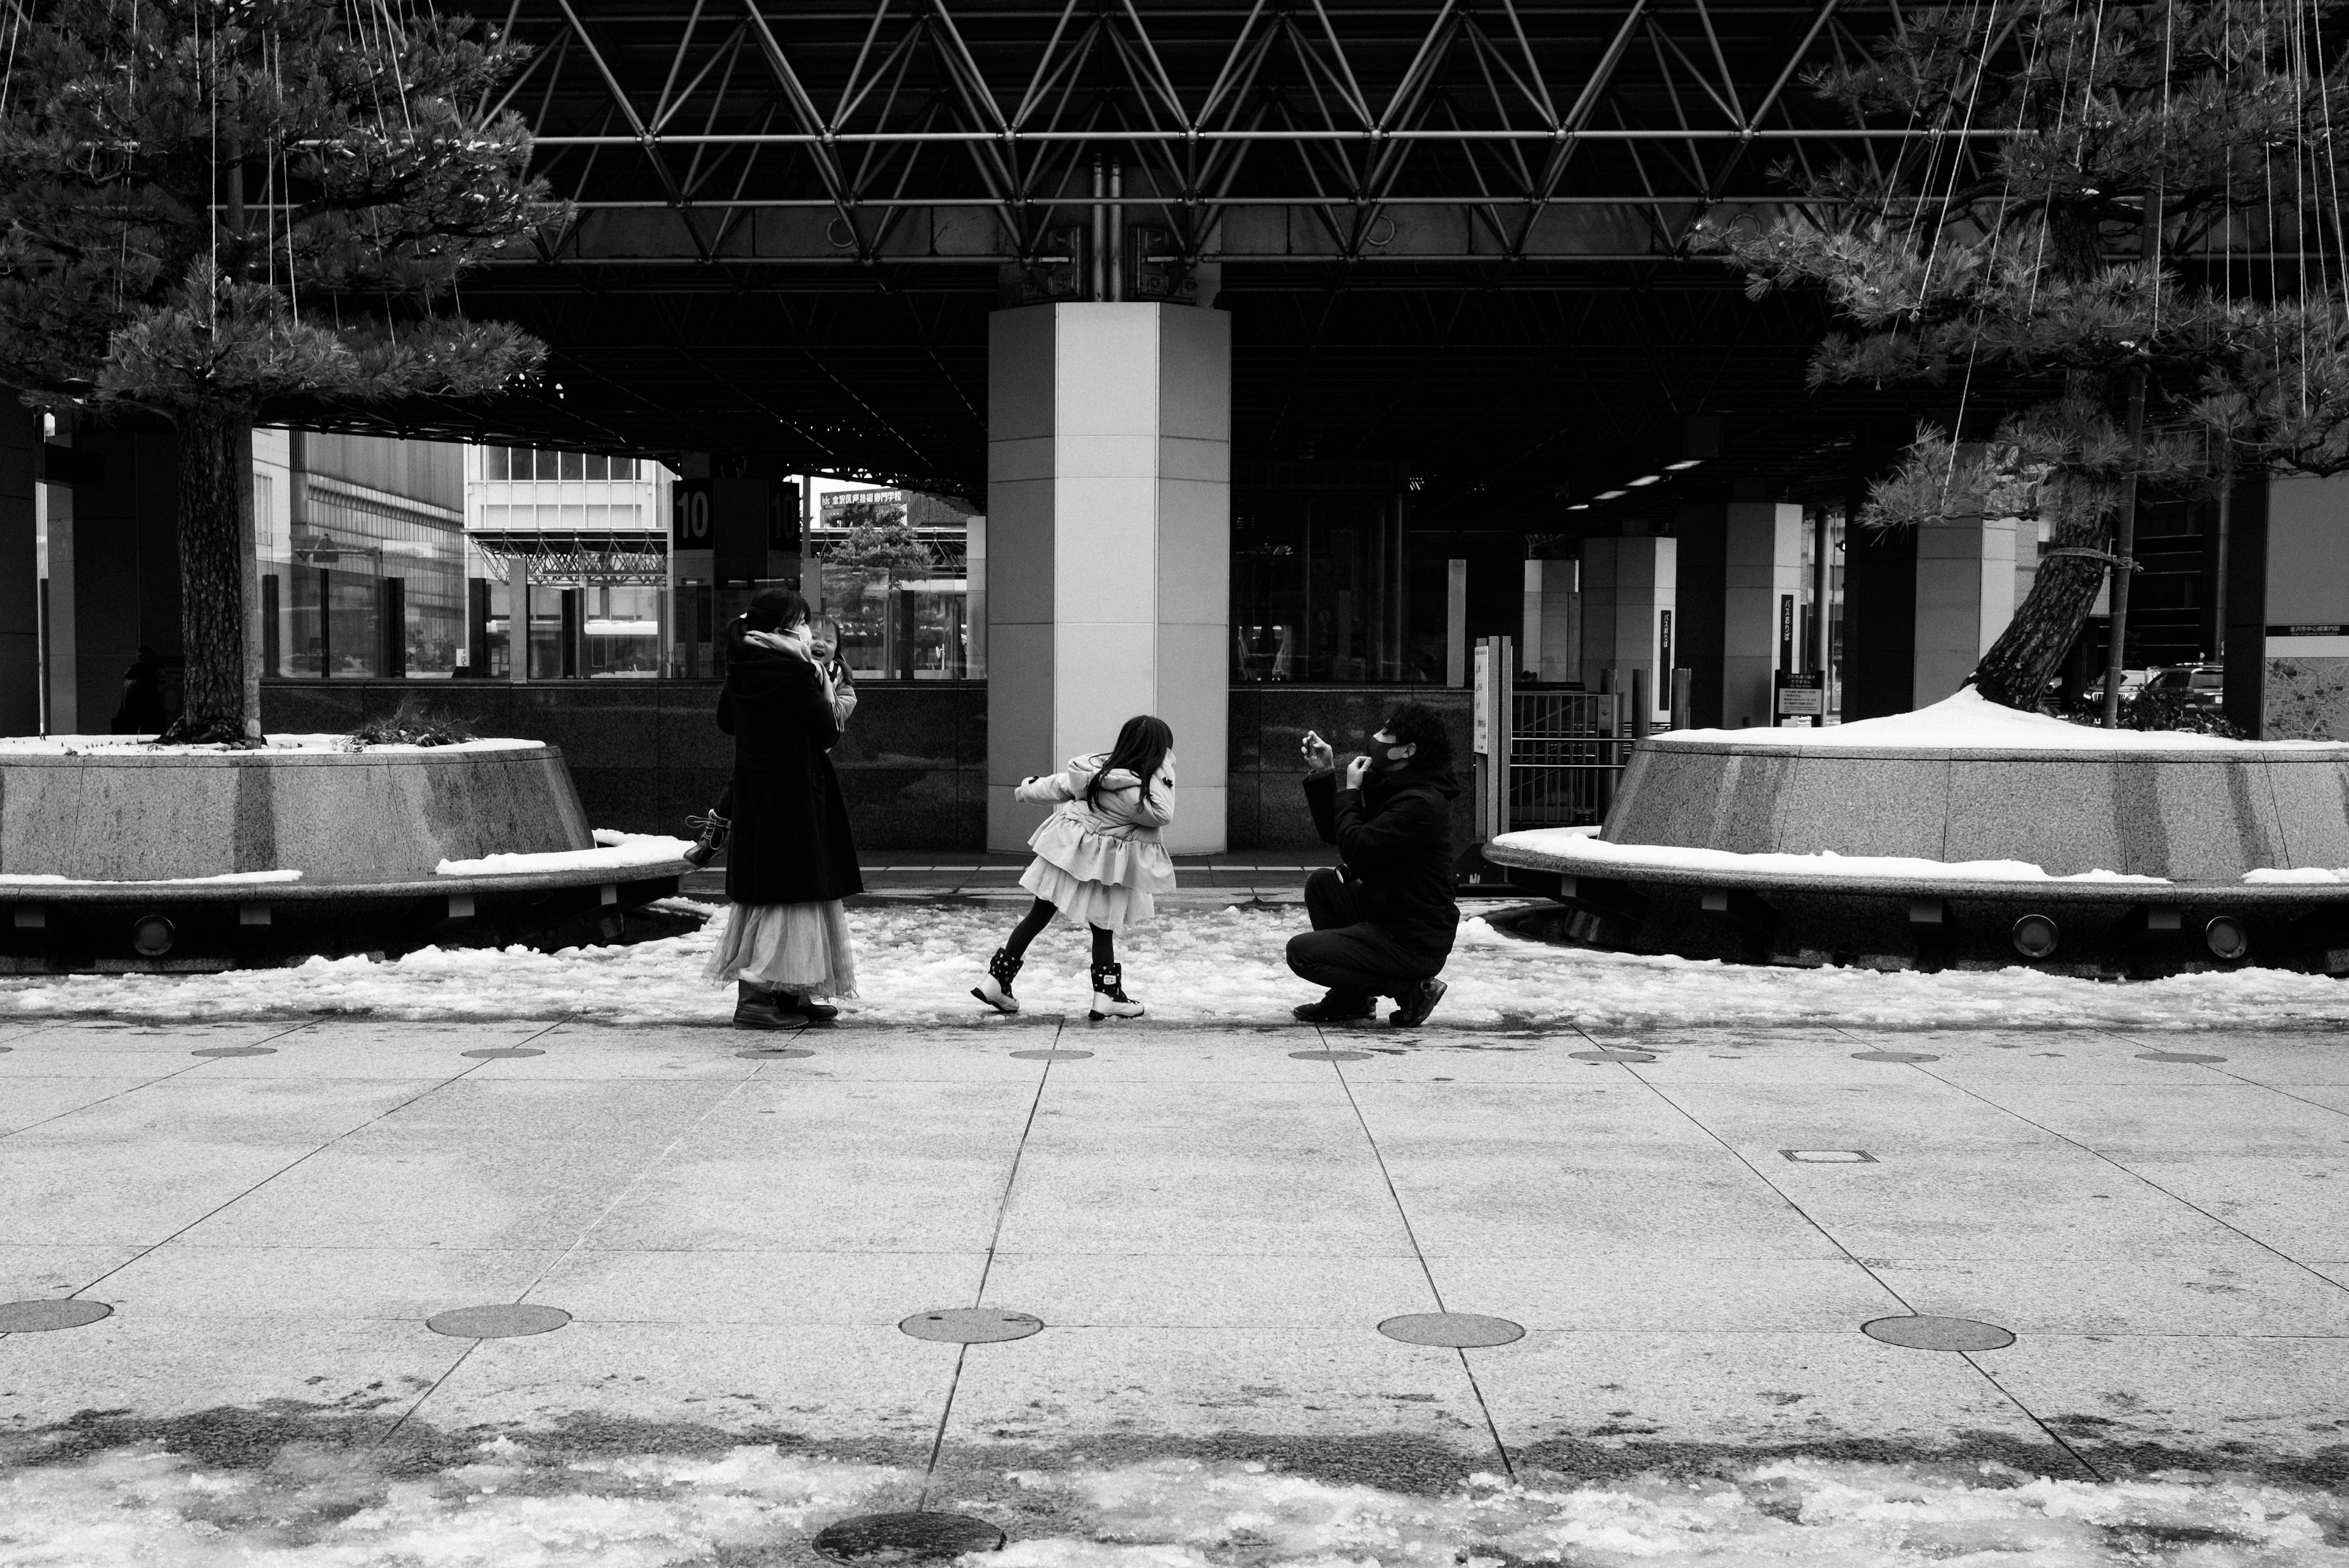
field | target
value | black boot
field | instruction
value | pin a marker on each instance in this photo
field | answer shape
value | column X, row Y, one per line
column 713, row 829
column 995, row 989
column 1337, row 1007
column 1110, row 1000
column 756, row 1007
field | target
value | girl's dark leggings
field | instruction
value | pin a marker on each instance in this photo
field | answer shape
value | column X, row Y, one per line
column 1039, row 915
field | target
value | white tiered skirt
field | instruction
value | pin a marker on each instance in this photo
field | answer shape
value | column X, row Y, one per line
column 802, row 948
column 1105, row 904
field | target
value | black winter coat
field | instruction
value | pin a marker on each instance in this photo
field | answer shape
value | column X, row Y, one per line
column 1395, row 840
column 790, row 841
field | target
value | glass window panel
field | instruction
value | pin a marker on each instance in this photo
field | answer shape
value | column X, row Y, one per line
column 599, row 467
column 573, row 465
column 624, row 468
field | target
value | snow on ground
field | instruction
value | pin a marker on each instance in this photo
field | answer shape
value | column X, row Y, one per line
column 1969, row 721
column 916, row 962
column 513, row 1507
column 613, row 851
column 1582, row 846
column 147, row 746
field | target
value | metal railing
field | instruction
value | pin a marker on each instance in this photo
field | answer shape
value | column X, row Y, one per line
column 1566, row 749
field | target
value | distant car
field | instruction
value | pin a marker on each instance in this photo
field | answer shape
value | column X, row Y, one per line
column 2201, row 685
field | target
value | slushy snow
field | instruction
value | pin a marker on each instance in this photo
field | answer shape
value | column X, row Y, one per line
column 1578, row 847
column 1971, row 722
column 506, row 1505
column 50, row 879
column 1193, row 966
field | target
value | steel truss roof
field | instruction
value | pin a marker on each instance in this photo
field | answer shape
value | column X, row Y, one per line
column 1450, row 231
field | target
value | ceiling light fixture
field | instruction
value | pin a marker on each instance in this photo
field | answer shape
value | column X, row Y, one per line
column 1643, row 479
column 1579, row 506
column 1609, row 495
column 1683, row 463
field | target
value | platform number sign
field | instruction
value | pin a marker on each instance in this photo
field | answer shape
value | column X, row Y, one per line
column 689, row 515
column 1662, row 696
column 1785, row 631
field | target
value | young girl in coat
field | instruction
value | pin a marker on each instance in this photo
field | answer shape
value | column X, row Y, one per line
column 1098, row 859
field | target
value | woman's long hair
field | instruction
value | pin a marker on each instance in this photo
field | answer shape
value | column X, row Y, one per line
column 1141, row 749
column 776, row 610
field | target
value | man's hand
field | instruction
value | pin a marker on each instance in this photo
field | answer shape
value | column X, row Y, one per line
column 1319, row 754
column 1355, row 771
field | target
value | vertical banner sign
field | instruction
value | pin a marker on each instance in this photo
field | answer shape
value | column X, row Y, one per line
column 689, row 524
column 1785, row 631
column 1664, row 664
column 1483, row 700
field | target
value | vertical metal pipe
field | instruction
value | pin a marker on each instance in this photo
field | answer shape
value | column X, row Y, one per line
column 1095, row 262
column 1821, row 547
column 1114, row 220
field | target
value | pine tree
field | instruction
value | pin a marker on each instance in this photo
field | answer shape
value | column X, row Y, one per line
column 2125, row 230
column 211, row 208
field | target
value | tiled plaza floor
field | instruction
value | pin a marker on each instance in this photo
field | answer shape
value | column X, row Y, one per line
column 1210, row 1228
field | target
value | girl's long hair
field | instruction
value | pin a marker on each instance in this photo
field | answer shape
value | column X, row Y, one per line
column 1141, row 749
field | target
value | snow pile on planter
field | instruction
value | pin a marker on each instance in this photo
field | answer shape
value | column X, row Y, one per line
column 147, row 746
column 1583, row 850
column 613, row 851
column 1970, row 721
column 1193, row 967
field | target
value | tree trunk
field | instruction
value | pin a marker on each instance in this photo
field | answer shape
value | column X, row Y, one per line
column 212, row 571
column 2017, row 670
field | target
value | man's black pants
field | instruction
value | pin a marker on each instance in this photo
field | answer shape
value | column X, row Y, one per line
column 1345, row 952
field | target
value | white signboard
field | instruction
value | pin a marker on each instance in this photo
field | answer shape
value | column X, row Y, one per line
column 1483, row 701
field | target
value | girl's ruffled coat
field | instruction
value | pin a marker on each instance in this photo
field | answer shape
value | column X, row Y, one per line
column 1114, row 842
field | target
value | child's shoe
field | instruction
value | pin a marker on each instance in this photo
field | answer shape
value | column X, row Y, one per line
column 1110, row 1000
column 995, row 989
column 713, row 829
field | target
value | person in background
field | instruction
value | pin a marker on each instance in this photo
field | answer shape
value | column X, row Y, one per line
column 1099, row 859
column 1384, row 919
column 711, row 828
column 785, row 943
column 141, row 712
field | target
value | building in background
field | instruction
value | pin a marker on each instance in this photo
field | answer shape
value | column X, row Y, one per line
column 903, row 576
column 574, row 546
column 361, row 542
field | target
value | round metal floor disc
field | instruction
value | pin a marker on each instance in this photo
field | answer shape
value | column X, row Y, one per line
column 876, row 1539
column 2177, row 1057
column 971, row 1325
column 495, row 1052
column 501, row 1320
column 235, row 1051
column 772, row 1053
column 1893, row 1057
column 1604, row 1055
column 1452, row 1330
column 1330, row 1056
column 1938, row 1333
column 1055, row 1055
column 40, row 1316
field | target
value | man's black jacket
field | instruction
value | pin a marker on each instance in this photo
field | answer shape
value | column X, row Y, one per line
column 1394, row 838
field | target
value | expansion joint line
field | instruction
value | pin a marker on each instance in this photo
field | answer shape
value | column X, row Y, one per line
column 1837, row 1242
column 994, row 1239
column 134, row 1088
column 2140, row 1177
column 1492, row 1428
column 589, row 1229
column 348, row 1132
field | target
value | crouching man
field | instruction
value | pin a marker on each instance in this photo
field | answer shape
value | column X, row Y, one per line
column 1384, row 921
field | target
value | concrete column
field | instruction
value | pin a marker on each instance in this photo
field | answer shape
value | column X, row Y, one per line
column 1762, row 597
column 1965, row 597
column 20, row 572
column 1550, row 645
column 1630, row 597
column 1108, row 548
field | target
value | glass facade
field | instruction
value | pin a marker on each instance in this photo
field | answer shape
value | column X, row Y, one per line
column 580, row 541
column 1319, row 587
